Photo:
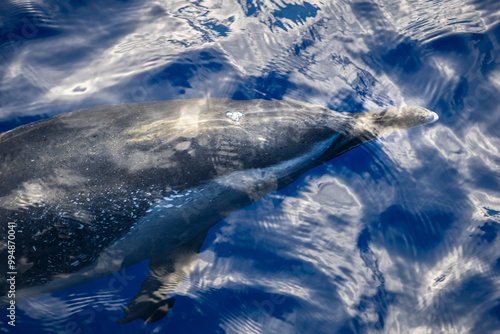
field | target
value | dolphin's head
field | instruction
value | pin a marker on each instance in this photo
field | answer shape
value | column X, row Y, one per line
column 389, row 120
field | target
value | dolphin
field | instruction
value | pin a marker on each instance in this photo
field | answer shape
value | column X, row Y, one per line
column 94, row 191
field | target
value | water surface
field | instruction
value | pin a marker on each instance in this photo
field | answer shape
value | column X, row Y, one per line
column 397, row 236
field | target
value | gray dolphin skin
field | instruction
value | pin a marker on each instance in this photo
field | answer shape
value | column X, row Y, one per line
column 94, row 191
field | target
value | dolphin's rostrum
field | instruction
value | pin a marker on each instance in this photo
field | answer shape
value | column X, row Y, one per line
column 97, row 190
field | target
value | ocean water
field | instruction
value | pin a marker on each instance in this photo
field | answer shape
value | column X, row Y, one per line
column 397, row 236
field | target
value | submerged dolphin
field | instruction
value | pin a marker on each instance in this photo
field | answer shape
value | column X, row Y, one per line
column 94, row 191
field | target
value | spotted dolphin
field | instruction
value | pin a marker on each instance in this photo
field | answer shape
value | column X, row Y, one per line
column 94, row 191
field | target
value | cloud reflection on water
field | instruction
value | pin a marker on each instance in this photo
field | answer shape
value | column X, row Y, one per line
column 396, row 236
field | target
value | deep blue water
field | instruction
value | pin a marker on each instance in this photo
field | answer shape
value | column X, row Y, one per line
column 397, row 236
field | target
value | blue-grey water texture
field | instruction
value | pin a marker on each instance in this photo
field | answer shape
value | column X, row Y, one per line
column 398, row 236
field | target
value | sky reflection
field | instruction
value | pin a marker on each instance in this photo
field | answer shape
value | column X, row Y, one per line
column 400, row 235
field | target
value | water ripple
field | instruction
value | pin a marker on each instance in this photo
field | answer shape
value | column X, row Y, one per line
column 400, row 235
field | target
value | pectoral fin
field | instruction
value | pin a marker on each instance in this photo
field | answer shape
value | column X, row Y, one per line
column 166, row 272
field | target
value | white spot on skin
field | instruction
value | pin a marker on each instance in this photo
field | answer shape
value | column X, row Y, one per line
column 234, row 116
